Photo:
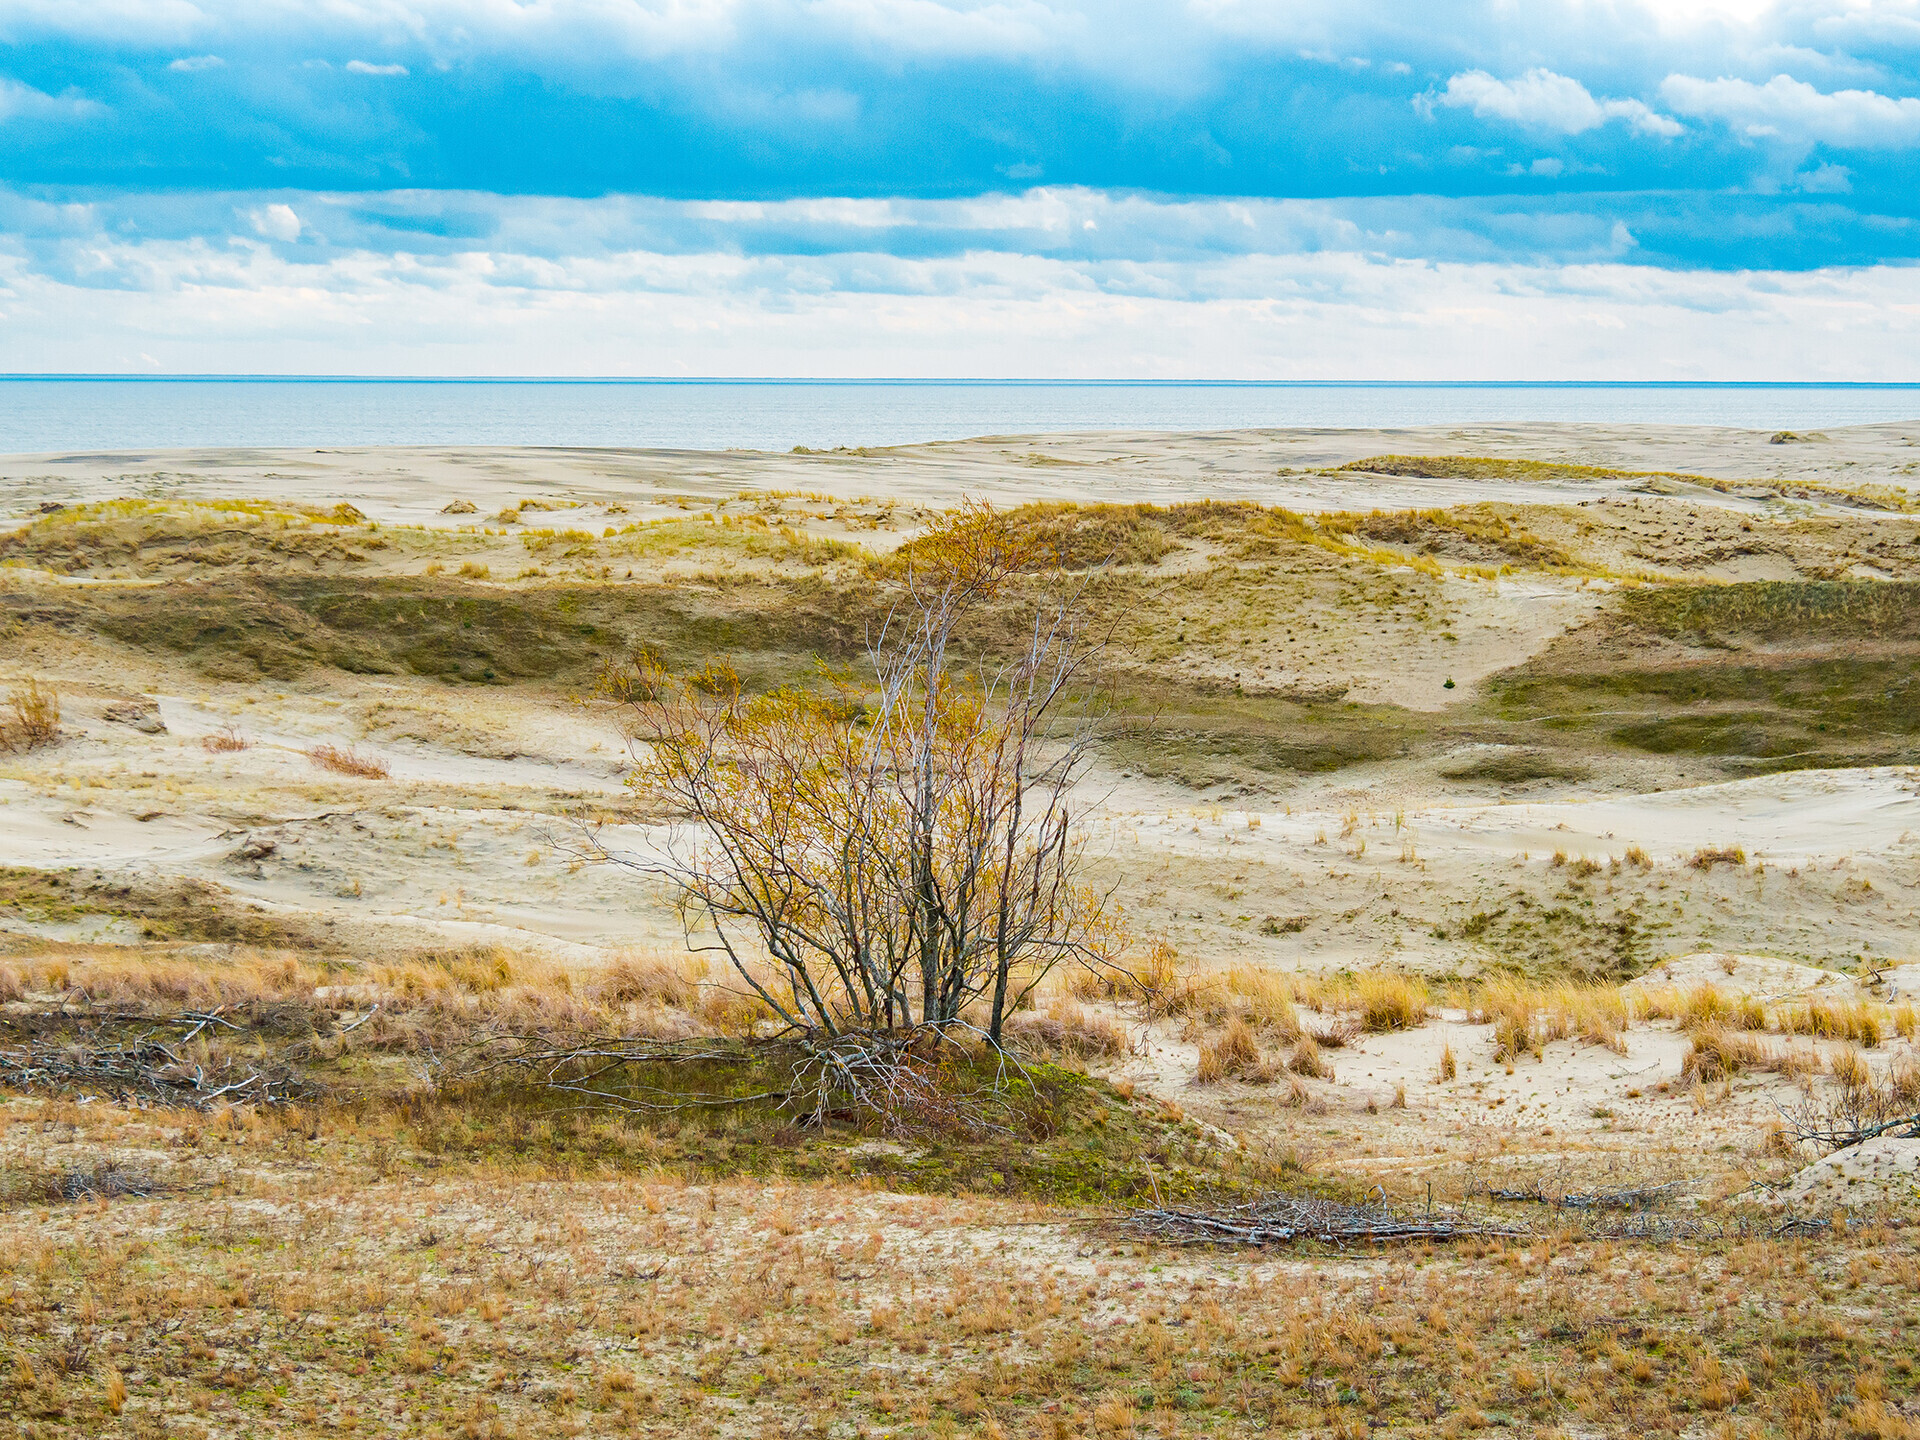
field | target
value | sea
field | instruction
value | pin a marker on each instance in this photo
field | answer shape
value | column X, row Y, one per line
column 42, row 415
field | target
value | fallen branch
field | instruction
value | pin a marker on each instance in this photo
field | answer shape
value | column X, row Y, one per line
column 1839, row 1129
column 144, row 1069
column 1287, row 1219
column 1626, row 1197
column 1284, row 1219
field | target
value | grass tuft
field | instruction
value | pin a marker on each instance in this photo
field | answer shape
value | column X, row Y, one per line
column 348, row 762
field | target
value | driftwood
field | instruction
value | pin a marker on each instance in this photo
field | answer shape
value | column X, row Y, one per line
column 142, row 1069
column 1625, row 1197
column 1842, row 1125
column 1284, row 1219
column 1288, row 1219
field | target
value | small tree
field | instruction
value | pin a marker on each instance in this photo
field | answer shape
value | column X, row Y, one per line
column 876, row 857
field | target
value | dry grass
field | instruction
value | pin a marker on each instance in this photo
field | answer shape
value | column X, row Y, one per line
column 1703, row 1006
column 1232, row 1052
column 1065, row 1030
column 1832, row 1020
column 426, row 1004
column 348, row 762
column 1706, row 857
column 384, row 1307
column 1388, row 1001
column 36, row 717
column 1717, row 1054
column 1150, row 980
column 225, row 740
column 1528, row 1017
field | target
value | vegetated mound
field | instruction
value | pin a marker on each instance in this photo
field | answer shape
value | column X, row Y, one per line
column 1862, row 1176
column 284, row 626
column 1811, row 611
column 1067, row 536
column 1836, row 687
column 1474, row 534
column 204, row 533
column 171, row 909
column 1486, row 467
column 1510, row 766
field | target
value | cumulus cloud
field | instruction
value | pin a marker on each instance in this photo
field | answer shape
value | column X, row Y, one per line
column 366, row 67
column 1544, row 100
column 276, row 222
column 1793, row 111
column 188, row 64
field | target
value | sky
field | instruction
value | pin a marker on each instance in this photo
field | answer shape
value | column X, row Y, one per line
column 1224, row 189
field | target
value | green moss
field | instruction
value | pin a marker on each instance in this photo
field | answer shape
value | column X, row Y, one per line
column 1067, row 1138
column 453, row 630
column 189, row 910
column 1829, row 610
column 1516, row 767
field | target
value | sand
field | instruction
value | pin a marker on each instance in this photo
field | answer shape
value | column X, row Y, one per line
column 473, row 837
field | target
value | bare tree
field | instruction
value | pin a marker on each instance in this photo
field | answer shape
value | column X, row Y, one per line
column 894, row 855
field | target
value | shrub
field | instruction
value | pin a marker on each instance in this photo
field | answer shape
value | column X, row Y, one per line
column 348, row 762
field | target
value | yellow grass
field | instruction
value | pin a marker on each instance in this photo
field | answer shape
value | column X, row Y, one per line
column 1829, row 1020
column 348, row 762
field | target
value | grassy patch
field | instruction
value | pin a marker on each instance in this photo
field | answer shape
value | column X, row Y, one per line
column 1787, row 714
column 1473, row 534
column 453, row 630
column 1517, row 767
column 183, row 910
column 1070, row 1139
column 1822, row 610
column 1486, row 467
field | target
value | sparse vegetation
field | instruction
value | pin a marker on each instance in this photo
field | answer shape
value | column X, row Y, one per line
column 226, row 740
column 474, row 1191
column 343, row 760
column 35, row 717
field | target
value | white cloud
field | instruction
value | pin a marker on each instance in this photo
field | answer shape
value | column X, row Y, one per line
column 1002, row 307
column 276, row 222
column 1544, row 100
column 1825, row 180
column 187, row 64
column 25, row 101
column 1792, row 110
column 363, row 67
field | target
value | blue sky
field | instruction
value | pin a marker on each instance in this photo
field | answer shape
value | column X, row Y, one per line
column 1550, row 189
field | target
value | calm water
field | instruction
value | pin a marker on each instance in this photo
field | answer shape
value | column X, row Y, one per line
column 39, row 416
